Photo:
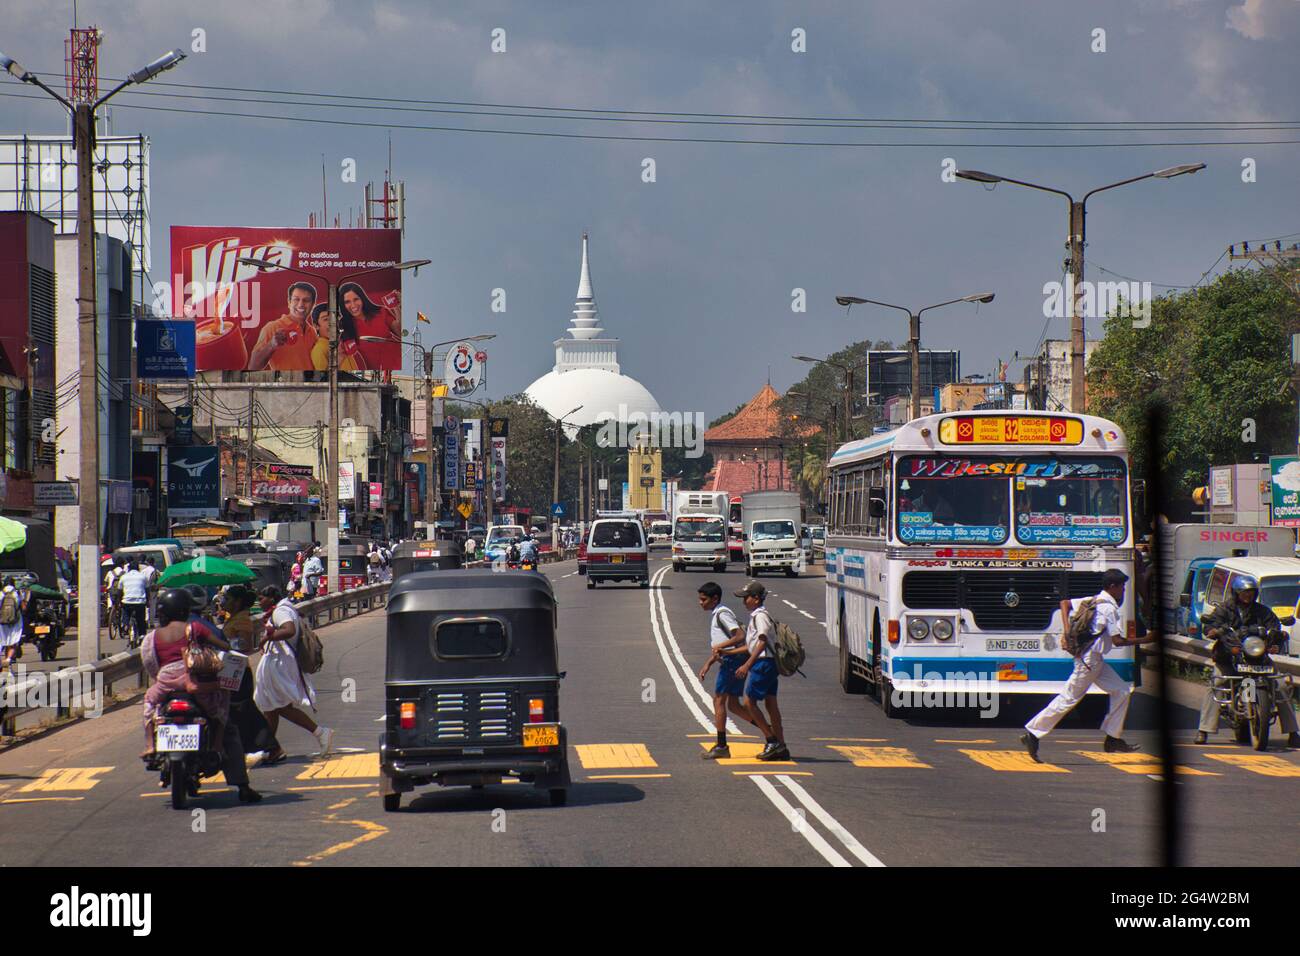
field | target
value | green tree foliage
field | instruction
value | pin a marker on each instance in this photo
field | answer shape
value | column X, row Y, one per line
column 530, row 451
column 1217, row 357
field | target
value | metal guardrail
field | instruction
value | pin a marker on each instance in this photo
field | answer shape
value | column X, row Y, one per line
column 65, row 691
column 1191, row 650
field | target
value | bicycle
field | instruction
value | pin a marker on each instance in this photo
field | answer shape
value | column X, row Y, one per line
column 115, row 621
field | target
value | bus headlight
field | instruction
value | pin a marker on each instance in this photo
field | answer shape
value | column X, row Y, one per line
column 918, row 628
column 942, row 629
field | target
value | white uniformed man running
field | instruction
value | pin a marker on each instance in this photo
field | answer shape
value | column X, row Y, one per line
column 1091, row 668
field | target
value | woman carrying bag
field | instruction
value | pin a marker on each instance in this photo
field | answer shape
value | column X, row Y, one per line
column 281, row 689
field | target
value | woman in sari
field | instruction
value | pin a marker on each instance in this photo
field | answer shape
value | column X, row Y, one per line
column 163, row 655
column 242, row 634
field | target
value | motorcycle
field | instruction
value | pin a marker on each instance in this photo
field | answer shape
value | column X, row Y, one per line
column 183, row 748
column 46, row 615
column 1250, row 690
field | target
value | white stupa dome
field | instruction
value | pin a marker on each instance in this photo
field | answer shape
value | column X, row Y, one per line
column 587, row 372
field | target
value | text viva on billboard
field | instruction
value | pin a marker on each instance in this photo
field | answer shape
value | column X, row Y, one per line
column 252, row 319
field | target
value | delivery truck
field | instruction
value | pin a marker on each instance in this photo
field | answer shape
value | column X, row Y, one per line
column 771, row 532
column 1189, row 551
column 700, row 530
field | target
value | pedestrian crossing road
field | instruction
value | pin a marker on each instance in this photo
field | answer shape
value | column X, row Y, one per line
column 858, row 790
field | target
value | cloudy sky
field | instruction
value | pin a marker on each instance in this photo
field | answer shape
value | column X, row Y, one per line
column 695, row 271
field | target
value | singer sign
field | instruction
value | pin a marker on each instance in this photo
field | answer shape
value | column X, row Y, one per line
column 254, row 319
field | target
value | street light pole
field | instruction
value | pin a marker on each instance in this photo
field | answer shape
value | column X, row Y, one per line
column 331, row 484
column 555, row 480
column 1076, row 242
column 83, row 135
column 914, row 334
column 433, row 475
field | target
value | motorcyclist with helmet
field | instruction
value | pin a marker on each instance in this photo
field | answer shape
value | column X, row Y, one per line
column 1227, row 626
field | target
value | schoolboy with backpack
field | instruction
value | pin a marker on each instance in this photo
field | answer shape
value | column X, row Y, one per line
column 1092, row 628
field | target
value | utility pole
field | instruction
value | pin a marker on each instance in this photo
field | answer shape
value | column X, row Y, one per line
column 248, row 478
column 88, row 348
column 433, row 476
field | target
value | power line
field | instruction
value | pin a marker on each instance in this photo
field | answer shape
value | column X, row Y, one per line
column 607, row 137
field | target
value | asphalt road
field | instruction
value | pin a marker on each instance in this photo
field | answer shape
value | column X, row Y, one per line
column 946, row 788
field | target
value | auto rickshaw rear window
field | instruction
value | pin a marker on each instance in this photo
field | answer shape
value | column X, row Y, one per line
column 479, row 638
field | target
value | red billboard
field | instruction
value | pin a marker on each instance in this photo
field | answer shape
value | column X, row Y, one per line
column 249, row 319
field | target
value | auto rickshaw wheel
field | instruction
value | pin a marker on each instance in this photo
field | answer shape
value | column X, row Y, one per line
column 645, row 582
column 392, row 802
column 559, row 797
column 591, row 583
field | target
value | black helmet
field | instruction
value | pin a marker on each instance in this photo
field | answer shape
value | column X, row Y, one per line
column 173, row 605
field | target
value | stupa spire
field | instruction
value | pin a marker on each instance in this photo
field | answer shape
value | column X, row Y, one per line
column 584, row 308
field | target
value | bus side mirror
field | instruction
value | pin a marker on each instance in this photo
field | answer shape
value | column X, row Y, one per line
column 1184, row 600
column 876, row 508
column 1287, row 621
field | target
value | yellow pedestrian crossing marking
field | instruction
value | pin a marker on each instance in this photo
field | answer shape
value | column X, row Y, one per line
column 65, row 778
column 1016, row 761
column 878, row 757
column 743, row 753
column 1140, row 763
column 614, row 756
column 1261, row 764
column 347, row 765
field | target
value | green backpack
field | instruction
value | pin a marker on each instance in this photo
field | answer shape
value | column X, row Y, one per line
column 788, row 650
column 9, row 608
column 1078, row 631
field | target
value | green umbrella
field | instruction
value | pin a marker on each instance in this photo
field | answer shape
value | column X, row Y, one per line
column 210, row 572
column 12, row 535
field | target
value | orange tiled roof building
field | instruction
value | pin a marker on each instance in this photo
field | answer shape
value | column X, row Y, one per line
column 748, row 449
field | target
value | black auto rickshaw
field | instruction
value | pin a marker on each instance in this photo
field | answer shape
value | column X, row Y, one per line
column 269, row 567
column 46, row 620
column 472, row 684
column 426, row 556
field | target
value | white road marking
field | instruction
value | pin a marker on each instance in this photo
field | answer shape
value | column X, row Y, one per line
column 688, row 672
column 705, row 721
column 789, row 604
column 815, row 839
column 799, row 824
column 830, row 823
column 807, row 615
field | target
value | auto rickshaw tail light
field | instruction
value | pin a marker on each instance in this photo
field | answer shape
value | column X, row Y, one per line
column 535, row 711
column 893, row 632
column 408, row 715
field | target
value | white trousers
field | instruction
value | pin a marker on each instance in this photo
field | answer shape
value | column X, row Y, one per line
column 1088, row 670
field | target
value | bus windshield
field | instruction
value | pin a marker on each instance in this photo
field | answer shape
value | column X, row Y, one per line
column 952, row 499
column 772, row 530
column 1071, row 500
column 699, row 529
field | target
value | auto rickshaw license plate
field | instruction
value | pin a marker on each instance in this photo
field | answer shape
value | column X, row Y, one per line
column 616, row 559
column 541, row 735
column 42, row 629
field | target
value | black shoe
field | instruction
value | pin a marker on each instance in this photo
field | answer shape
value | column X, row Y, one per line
column 772, row 751
column 1031, row 746
column 1293, row 741
column 782, row 753
column 717, row 752
column 248, row 795
column 1201, row 737
column 1116, row 745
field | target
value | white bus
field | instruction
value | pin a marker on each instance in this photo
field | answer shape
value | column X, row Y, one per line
column 952, row 540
